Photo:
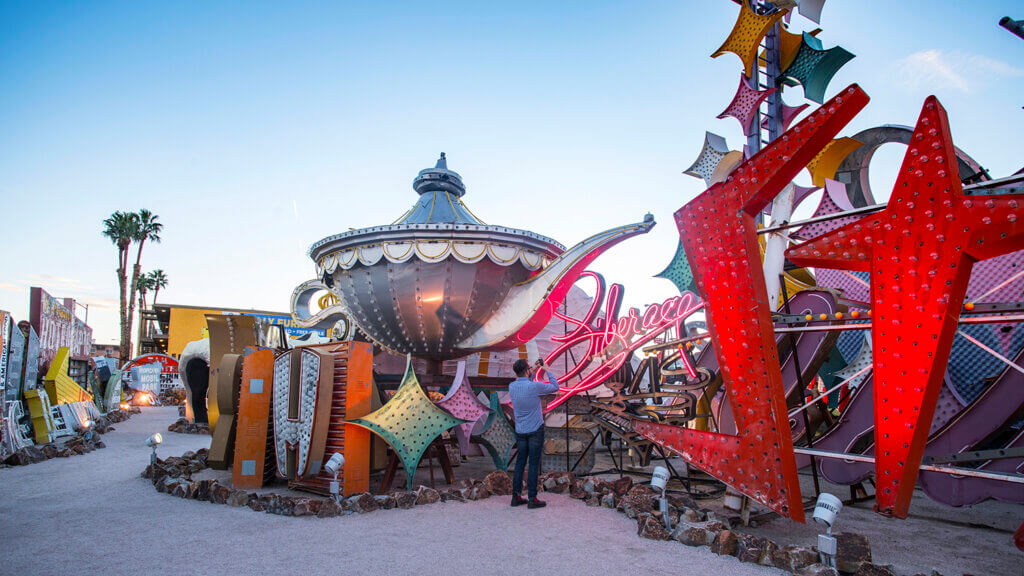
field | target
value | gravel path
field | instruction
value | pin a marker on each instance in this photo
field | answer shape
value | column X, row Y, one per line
column 93, row 514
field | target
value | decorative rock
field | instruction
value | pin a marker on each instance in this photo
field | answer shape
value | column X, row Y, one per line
column 869, row 569
column 50, row 451
column 793, row 558
column 183, row 426
column 255, row 503
column 498, row 483
column 690, row 515
column 99, row 444
column 64, row 453
column 202, row 490
column 307, row 506
column 750, row 548
column 818, row 570
column 608, row 500
column 238, row 498
column 621, row 486
column 171, row 485
column 219, row 493
column 651, row 528
column 852, row 550
column 639, row 500
column 452, row 495
column 559, row 482
column 426, row 495
column 329, row 509
column 279, row 505
column 404, row 499
column 768, row 554
column 576, row 491
column 478, row 492
column 385, row 501
column 361, row 503
column 698, row 533
column 593, row 499
column 725, row 543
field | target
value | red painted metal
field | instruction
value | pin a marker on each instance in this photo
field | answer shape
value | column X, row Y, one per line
column 719, row 234
column 919, row 251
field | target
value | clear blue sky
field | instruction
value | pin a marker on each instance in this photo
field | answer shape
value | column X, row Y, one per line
column 254, row 129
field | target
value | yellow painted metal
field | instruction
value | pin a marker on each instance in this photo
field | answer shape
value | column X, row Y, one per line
column 59, row 386
column 725, row 166
column 39, row 410
column 828, row 160
column 746, row 36
column 186, row 325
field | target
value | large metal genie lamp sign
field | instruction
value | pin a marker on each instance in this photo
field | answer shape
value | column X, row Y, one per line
column 439, row 283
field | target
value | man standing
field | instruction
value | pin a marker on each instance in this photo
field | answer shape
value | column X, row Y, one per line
column 529, row 414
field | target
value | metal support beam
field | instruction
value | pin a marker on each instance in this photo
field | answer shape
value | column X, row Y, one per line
column 1007, row 477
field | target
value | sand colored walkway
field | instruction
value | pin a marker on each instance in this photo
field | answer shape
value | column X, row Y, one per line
column 93, row 514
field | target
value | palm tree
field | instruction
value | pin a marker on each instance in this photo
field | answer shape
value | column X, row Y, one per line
column 157, row 280
column 148, row 229
column 121, row 228
column 145, row 284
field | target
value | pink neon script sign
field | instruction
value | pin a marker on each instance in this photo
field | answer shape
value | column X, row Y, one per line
column 621, row 336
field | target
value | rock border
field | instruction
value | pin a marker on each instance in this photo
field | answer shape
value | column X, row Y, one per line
column 73, row 446
column 693, row 526
column 183, row 426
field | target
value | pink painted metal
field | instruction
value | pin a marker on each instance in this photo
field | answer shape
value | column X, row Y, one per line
column 745, row 103
column 461, row 403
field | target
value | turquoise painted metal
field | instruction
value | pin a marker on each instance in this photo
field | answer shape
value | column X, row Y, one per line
column 409, row 422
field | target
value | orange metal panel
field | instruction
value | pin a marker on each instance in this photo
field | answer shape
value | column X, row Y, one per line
column 251, row 433
column 358, row 403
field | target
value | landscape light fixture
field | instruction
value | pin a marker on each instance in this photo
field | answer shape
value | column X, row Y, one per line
column 825, row 511
column 659, row 480
column 87, row 429
column 333, row 466
column 154, row 441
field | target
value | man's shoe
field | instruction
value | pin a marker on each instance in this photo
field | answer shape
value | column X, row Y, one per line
column 518, row 500
column 536, row 504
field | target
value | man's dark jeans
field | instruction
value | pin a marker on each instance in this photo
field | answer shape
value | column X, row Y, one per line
column 530, row 447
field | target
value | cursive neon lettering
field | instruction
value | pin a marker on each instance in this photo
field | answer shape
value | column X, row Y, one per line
column 623, row 336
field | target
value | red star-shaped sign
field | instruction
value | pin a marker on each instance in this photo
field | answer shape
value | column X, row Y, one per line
column 719, row 235
column 919, row 251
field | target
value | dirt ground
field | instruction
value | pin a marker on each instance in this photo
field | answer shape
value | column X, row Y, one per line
column 93, row 514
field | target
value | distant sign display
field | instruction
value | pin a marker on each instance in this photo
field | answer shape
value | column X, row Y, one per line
column 15, row 360
column 57, row 326
column 30, row 370
column 5, row 334
column 189, row 324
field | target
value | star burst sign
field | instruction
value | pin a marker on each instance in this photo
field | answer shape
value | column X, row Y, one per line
column 719, row 234
column 919, row 252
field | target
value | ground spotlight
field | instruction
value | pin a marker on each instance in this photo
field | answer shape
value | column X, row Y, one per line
column 825, row 511
column 87, row 429
column 659, row 480
column 154, row 441
column 333, row 466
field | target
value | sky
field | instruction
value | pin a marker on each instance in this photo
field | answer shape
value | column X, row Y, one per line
column 253, row 129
